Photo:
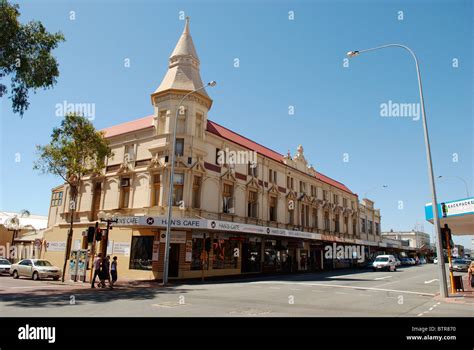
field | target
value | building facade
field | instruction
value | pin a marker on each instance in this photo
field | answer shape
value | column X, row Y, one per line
column 238, row 206
column 415, row 239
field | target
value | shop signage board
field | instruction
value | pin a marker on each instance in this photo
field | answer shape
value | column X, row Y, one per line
column 178, row 237
column 228, row 227
column 122, row 248
column 160, row 221
column 55, row 246
column 452, row 208
column 156, row 251
column 189, row 251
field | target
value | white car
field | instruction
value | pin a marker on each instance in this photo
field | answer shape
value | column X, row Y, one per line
column 35, row 269
column 4, row 266
column 385, row 262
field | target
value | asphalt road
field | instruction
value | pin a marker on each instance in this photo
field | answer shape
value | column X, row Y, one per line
column 410, row 291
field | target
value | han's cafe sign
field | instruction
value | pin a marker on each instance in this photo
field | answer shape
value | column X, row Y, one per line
column 217, row 225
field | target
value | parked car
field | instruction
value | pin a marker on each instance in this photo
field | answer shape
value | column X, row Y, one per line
column 35, row 269
column 4, row 266
column 412, row 261
column 384, row 262
column 422, row 261
column 398, row 262
column 435, row 260
column 461, row 265
column 405, row 261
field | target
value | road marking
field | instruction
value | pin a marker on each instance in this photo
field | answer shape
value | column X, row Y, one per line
column 430, row 281
column 382, row 278
column 349, row 287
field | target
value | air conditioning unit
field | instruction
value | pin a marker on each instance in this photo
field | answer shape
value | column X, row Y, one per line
column 125, row 182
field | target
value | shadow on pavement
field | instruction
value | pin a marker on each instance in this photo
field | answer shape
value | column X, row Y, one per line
column 46, row 297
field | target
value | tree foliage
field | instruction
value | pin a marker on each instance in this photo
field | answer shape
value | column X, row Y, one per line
column 76, row 149
column 25, row 56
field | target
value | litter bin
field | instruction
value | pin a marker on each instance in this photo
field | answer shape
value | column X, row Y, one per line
column 458, row 286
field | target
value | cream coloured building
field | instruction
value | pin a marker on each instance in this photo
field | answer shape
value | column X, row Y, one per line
column 239, row 207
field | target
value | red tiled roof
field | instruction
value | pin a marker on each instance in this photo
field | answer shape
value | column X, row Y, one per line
column 223, row 132
column 230, row 135
column 133, row 125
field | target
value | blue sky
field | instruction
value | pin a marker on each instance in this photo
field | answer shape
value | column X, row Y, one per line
column 282, row 63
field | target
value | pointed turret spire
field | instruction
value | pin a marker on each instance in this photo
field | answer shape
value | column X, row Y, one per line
column 183, row 68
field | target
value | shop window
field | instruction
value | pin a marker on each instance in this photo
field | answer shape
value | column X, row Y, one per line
column 227, row 199
column 197, row 192
column 252, row 209
column 199, row 246
column 57, row 199
column 224, row 254
column 141, row 252
column 156, row 190
column 124, row 193
column 178, row 181
column 271, row 256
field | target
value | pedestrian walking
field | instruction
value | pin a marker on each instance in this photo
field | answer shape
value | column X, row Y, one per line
column 113, row 271
column 470, row 273
column 96, row 267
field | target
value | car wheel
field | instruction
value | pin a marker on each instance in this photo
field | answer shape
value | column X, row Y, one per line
column 35, row 276
column 55, row 278
column 374, row 269
column 394, row 269
column 15, row 274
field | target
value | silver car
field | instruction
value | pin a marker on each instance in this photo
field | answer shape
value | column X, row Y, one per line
column 461, row 265
column 35, row 269
column 4, row 266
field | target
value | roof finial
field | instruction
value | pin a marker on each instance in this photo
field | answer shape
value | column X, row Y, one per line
column 186, row 26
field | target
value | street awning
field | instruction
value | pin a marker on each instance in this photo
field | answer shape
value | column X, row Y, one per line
column 457, row 214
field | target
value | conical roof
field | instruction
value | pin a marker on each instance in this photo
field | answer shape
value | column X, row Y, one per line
column 183, row 68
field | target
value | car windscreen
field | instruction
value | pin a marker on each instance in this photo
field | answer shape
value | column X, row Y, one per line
column 42, row 263
column 4, row 262
column 381, row 259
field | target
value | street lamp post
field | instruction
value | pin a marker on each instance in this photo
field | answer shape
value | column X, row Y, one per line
column 439, row 248
column 171, row 180
column 459, row 178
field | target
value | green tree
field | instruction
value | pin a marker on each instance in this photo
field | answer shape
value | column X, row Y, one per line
column 25, row 56
column 76, row 150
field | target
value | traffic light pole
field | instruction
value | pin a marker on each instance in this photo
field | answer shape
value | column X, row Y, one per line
column 451, row 276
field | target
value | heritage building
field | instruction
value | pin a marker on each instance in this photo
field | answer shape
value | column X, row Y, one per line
column 238, row 206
